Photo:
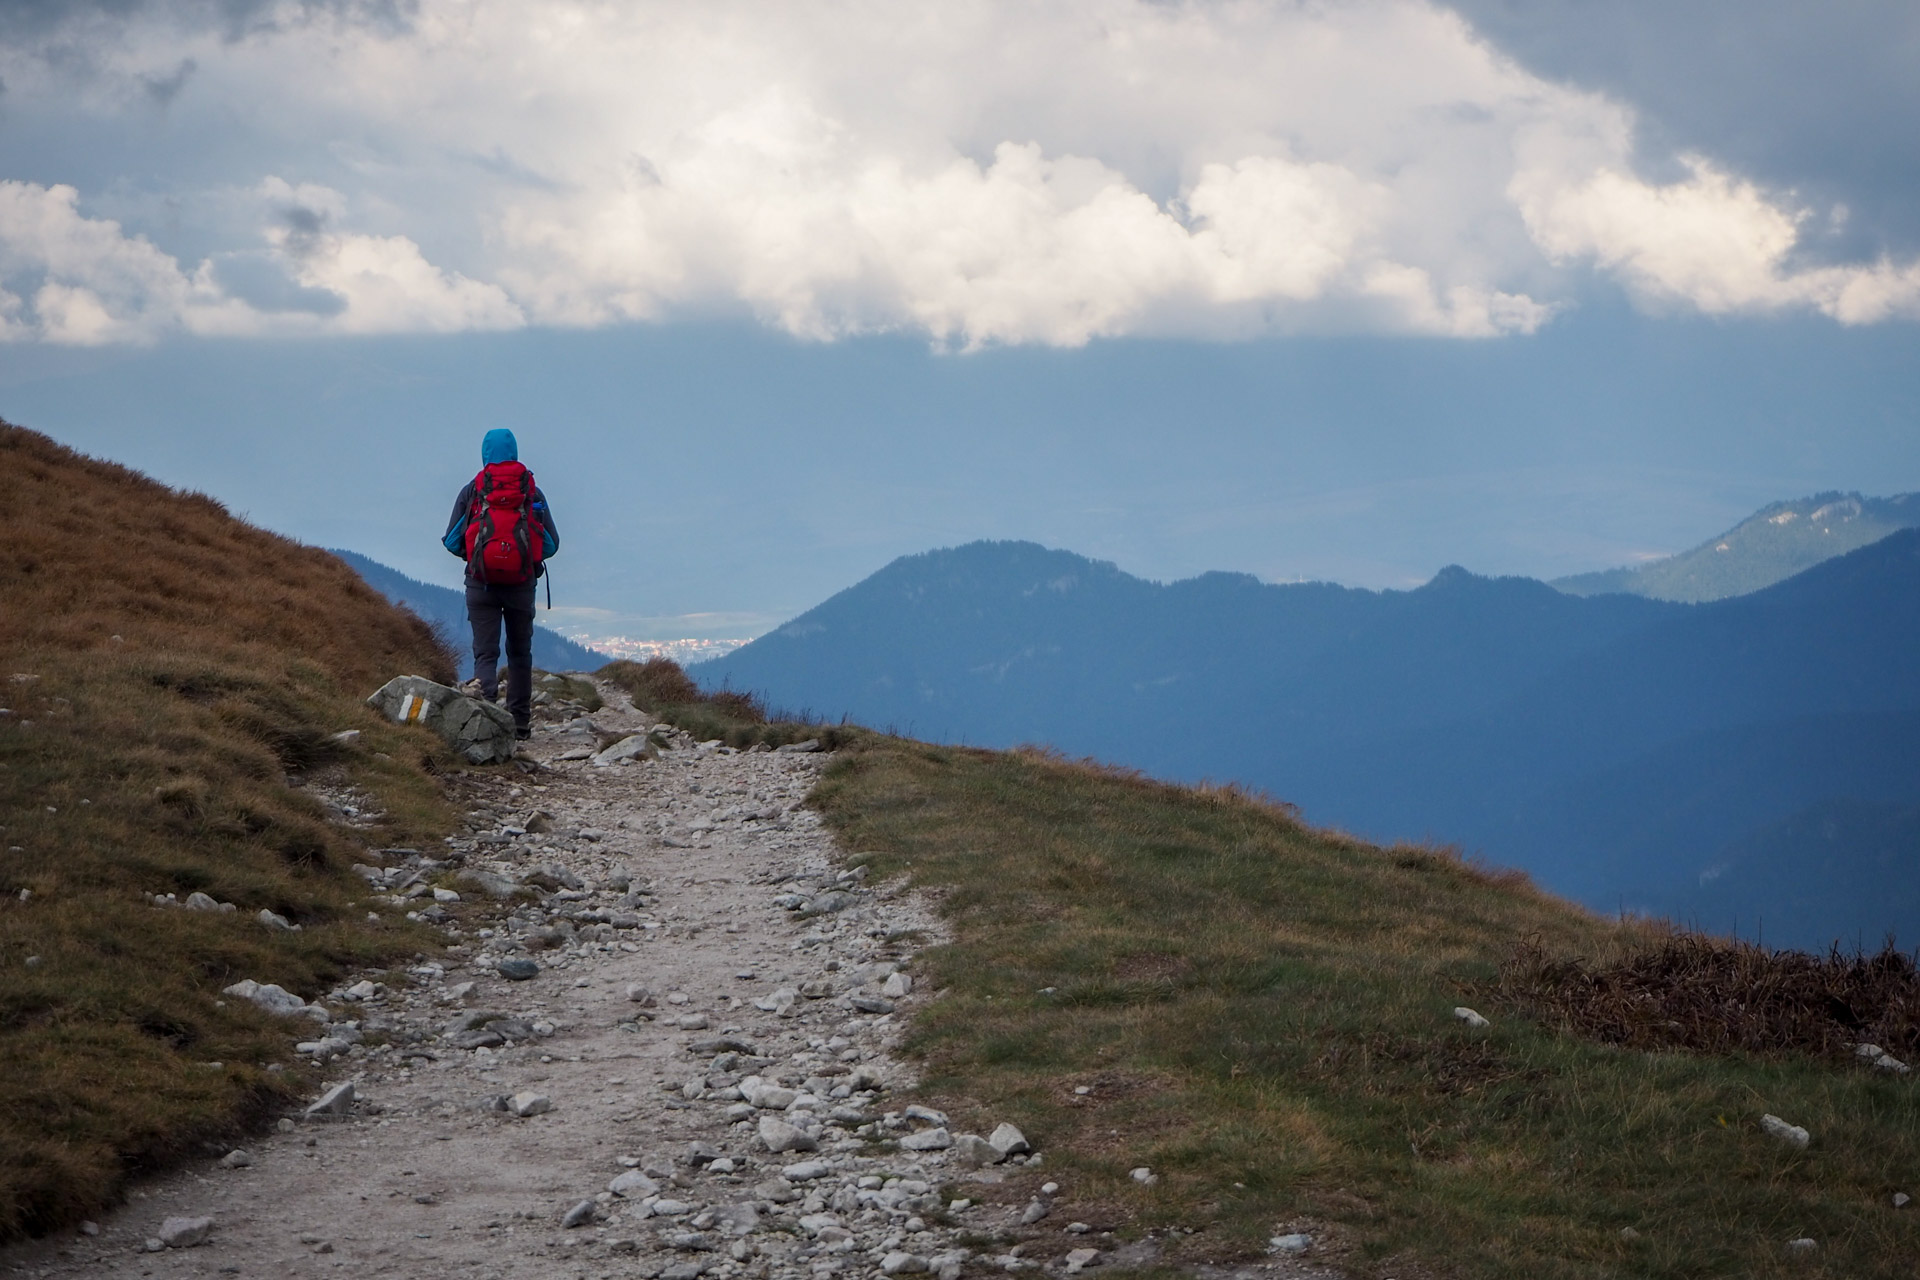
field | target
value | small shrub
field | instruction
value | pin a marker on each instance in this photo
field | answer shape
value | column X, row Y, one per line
column 653, row 685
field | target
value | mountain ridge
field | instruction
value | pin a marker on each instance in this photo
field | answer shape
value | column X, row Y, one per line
column 1773, row 544
column 1470, row 709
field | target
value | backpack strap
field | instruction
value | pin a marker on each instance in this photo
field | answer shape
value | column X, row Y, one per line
column 477, row 539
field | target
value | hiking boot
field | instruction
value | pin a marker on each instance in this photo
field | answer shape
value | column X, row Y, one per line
column 522, row 732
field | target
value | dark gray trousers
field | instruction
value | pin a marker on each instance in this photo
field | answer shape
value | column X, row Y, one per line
column 488, row 607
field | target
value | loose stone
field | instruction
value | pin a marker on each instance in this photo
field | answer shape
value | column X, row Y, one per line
column 1009, row 1141
column 780, row 1136
column 184, row 1233
column 1791, row 1134
column 337, row 1101
column 529, row 1104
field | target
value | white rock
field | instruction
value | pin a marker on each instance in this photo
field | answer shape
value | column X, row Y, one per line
column 896, row 986
column 1804, row 1244
column 1009, row 1141
column 1035, row 1211
column 529, row 1103
column 1901, row 1199
column 806, row 1171
column 1887, row 1062
column 1144, row 1176
column 197, row 901
column 780, row 1136
column 1470, row 1017
column 274, row 999
column 899, row 1262
column 693, row 1022
column 634, row 1185
column 770, row 1097
column 337, row 1101
column 365, row 989
column 626, row 749
column 1792, row 1134
column 1296, row 1242
column 184, row 1233
column 457, row 992
column 273, row 920
column 638, row 994
column 926, row 1114
column 927, row 1140
column 1079, row 1260
column 235, row 1159
column 580, row 1215
column 738, row 1219
column 780, row 1002
column 445, row 895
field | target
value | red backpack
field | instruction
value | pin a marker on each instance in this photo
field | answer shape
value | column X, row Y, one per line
column 504, row 545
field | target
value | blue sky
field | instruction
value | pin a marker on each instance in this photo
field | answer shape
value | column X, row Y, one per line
column 773, row 294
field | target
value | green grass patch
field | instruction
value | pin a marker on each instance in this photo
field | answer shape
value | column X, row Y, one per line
column 1262, row 1013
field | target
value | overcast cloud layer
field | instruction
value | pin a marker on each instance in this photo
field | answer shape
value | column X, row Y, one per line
column 978, row 173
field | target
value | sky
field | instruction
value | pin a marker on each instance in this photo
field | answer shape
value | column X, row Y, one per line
column 773, row 293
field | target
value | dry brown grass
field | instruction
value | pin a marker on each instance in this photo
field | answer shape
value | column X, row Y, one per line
column 1711, row 995
column 171, row 678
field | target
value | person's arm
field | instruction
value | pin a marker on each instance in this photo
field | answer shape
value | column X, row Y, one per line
column 543, row 516
column 455, row 538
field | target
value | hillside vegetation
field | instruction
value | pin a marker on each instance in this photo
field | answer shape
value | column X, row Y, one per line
column 171, row 678
column 1191, row 981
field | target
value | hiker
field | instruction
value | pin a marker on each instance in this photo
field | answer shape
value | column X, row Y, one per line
column 504, row 530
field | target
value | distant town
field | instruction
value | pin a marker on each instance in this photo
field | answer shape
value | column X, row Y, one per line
column 697, row 649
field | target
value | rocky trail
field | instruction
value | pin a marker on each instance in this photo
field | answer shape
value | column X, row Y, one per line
column 696, row 1079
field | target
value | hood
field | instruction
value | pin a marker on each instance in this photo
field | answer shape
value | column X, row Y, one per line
column 499, row 446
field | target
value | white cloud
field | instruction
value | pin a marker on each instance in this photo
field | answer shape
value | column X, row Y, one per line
column 79, row 281
column 1712, row 242
column 980, row 172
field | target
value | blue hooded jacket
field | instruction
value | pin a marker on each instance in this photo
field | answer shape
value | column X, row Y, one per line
column 499, row 446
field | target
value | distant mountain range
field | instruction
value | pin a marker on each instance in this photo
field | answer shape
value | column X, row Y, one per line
column 1752, row 763
column 1769, row 546
column 448, row 608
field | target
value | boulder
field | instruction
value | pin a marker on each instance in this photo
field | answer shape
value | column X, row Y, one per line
column 184, row 1233
column 780, row 1136
column 1791, row 1134
column 480, row 731
column 269, row 996
column 629, row 747
column 1007, row 1140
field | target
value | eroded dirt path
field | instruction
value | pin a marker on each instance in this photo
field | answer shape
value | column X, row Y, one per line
column 669, row 875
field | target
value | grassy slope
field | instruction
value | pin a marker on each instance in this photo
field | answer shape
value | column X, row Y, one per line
column 170, row 673
column 1262, row 1013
